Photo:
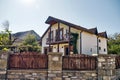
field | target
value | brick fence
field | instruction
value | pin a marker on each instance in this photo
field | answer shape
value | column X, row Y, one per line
column 105, row 70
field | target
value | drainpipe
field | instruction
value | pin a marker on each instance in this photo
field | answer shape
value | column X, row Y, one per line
column 97, row 46
column 97, row 57
column 81, row 42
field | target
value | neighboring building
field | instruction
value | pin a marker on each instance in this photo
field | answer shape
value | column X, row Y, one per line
column 57, row 38
column 20, row 37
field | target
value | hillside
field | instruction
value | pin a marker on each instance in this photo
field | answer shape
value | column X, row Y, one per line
column 20, row 36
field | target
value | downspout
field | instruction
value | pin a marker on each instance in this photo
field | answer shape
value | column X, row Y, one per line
column 97, row 58
column 81, row 42
column 107, row 45
column 97, row 46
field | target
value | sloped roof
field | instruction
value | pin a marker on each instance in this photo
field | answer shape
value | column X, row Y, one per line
column 51, row 20
column 103, row 34
column 94, row 30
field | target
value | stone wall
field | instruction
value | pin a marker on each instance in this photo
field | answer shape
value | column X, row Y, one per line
column 27, row 74
column 3, row 64
column 55, row 66
column 79, row 75
column 106, row 67
column 117, row 74
column 106, row 70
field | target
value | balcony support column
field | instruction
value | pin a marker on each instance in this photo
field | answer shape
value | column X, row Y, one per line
column 58, row 36
column 69, row 40
column 49, row 38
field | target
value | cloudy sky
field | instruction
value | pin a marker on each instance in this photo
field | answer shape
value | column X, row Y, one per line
column 26, row 15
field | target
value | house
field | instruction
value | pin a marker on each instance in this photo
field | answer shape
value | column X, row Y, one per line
column 68, row 38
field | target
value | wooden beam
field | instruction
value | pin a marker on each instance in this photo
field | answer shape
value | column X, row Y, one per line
column 58, row 36
column 49, row 37
column 69, row 40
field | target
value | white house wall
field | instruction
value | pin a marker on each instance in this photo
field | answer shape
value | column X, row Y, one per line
column 89, row 43
column 103, row 45
column 44, row 42
column 61, row 48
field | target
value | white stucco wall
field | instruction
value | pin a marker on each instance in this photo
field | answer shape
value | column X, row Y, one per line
column 44, row 42
column 103, row 45
column 89, row 43
column 61, row 48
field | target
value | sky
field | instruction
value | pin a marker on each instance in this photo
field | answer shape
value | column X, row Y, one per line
column 26, row 15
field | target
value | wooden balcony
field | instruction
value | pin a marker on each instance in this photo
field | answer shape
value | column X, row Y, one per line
column 56, row 40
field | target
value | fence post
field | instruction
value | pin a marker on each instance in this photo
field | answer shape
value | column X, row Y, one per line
column 54, row 66
column 106, row 67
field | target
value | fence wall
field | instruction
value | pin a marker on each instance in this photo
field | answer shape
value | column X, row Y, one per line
column 28, row 61
column 107, row 68
column 79, row 62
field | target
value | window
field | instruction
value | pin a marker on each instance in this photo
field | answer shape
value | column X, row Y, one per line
column 67, row 33
column 61, row 34
column 99, row 48
column 104, row 50
column 51, row 36
column 99, row 40
column 56, row 37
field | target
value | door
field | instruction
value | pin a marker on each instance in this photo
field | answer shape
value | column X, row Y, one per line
column 46, row 50
column 66, row 50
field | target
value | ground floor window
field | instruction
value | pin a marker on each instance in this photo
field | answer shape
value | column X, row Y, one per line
column 46, row 50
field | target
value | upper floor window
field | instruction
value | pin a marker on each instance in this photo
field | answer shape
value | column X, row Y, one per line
column 104, row 50
column 67, row 33
column 61, row 34
column 99, row 48
column 50, row 35
column 99, row 40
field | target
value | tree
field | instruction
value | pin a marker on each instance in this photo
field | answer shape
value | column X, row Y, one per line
column 114, row 44
column 4, row 38
column 7, row 33
column 31, row 43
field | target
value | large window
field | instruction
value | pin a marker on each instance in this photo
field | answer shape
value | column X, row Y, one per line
column 51, row 36
column 61, row 34
column 56, row 37
column 67, row 33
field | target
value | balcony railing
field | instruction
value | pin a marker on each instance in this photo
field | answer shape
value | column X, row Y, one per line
column 57, row 39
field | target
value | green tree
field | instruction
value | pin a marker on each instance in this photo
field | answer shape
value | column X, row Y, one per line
column 31, row 43
column 114, row 44
column 4, row 38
